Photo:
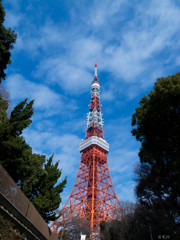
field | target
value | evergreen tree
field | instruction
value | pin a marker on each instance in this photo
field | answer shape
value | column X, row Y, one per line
column 156, row 125
column 15, row 153
column 7, row 39
column 43, row 191
column 37, row 177
column 3, row 109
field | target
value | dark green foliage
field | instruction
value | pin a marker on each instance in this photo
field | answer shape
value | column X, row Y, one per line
column 3, row 109
column 45, row 193
column 143, row 224
column 20, row 117
column 15, row 153
column 64, row 236
column 7, row 39
column 110, row 230
column 118, row 228
column 31, row 185
column 8, row 231
column 36, row 176
column 138, row 225
column 157, row 126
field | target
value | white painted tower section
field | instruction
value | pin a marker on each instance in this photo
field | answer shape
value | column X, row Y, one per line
column 94, row 116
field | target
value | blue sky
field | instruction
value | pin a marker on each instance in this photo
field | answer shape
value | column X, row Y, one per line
column 134, row 42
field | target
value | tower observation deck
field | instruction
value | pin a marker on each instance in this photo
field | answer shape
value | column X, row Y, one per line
column 93, row 196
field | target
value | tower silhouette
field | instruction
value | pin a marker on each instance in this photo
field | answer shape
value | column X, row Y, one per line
column 93, row 196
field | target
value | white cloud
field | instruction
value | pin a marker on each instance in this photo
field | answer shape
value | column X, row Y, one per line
column 45, row 99
column 40, row 38
column 133, row 54
column 12, row 20
column 126, row 39
column 102, row 12
column 126, row 191
column 64, row 146
column 123, row 152
column 108, row 95
column 14, row 4
column 136, row 52
column 71, row 78
column 118, row 131
column 134, row 42
column 85, row 50
column 123, row 160
column 72, row 73
column 178, row 61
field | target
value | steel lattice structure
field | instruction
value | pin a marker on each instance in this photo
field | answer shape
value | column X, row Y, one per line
column 93, row 196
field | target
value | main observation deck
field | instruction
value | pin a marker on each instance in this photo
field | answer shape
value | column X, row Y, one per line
column 94, row 141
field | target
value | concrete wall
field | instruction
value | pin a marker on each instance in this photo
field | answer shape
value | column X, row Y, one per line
column 13, row 200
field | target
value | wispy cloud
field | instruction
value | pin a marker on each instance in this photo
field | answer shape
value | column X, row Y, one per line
column 126, row 191
column 69, row 77
column 134, row 42
column 42, row 38
column 127, row 53
column 12, row 19
column 108, row 95
column 46, row 99
column 65, row 147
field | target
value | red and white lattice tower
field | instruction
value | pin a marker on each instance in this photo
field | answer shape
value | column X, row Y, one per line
column 93, row 196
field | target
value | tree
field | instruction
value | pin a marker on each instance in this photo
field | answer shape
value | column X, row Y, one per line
column 7, row 39
column 72, row 229
column 111, row 230
column 3, row 109
column 7, row 230
column 5, row 96
column 119, row 229
column 135, row 225
column 36, row 176
column 45, row 192
column 156, row 125
column 15, row 153
column 77, row 226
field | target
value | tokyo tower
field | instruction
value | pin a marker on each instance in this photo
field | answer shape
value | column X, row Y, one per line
column 93, row 196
